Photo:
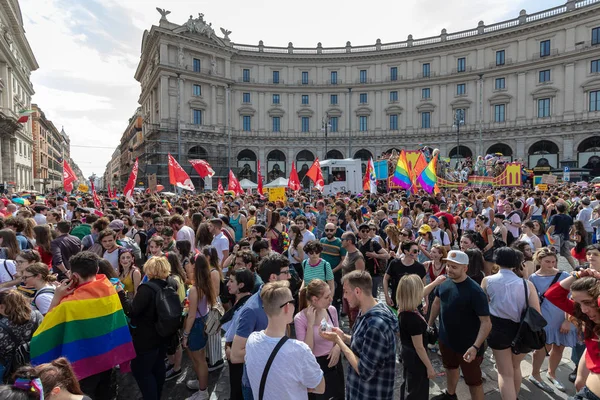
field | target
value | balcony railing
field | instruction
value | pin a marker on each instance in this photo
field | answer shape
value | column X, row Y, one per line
column 551, row 53
column 462, row 71
column 507, row 61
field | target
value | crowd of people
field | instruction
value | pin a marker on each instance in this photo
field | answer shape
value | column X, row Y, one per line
column 294, row 287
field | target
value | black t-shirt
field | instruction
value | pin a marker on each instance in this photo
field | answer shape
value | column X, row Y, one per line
column 397, row 269
column 562, row 224
column 461, row 306
column 373, row 246
column 411, row 325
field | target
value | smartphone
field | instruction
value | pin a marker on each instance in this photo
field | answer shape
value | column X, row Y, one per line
column 74, row 280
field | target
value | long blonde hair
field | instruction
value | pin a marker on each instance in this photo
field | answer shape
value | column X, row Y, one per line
column 409, row 293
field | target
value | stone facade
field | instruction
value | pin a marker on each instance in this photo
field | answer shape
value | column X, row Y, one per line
column 528, row 87
column 16, row 64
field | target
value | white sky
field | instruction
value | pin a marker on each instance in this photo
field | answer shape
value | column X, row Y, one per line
column 88, row 50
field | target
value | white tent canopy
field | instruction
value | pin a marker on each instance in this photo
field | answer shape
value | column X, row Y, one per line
column 247, row 183
column 279, row 182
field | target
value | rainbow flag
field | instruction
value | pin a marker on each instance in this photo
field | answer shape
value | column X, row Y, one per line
column 401, row 175
column 88, row 327
column 428, row 177
column 549, row 239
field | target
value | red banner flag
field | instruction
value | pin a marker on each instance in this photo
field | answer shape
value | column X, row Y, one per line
column 260, row 182
column 203, row 168
column 316, row 175
column 128, row 191
column 177, row 176
column 68, row 177
column 294, row 182
column 220, row 187
column 95, row 197
column 234, row 184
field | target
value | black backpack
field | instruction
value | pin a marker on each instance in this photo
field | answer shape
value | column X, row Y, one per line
column 168, row 308
column 30, row 245
column 143, row 240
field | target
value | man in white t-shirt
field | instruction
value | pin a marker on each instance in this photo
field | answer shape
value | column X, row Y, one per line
column 108, row 240
column 439, row 235
column 302, row 223
column 220, row 241
column 8, row 270
column 182, row 231
column 294, row 371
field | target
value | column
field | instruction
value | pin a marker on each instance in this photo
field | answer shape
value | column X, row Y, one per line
column 320, row 111
column 522, row 50
column 521, row 97
column 164, row 98
column 567, row 150
column 262, row 111
column 290, row 158
column 213, row 105
column 291, row 112
column 410, row 108
column 569, row 105
column 378, row 110
column 520, row 148
column 480, row 59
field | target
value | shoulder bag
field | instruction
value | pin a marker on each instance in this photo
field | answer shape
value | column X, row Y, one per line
column 263, row 379
column 542, row 295
column 530, row 335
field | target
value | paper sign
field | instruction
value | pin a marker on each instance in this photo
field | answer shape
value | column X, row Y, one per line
column 549, row 179
column 277, row 194
column 152, row 183
column 83, row 188
column 542, row 187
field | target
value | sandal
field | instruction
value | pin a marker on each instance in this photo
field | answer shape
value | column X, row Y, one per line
column 556, row 383
column 541, row 384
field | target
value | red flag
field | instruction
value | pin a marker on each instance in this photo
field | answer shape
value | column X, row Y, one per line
column 68, row 176
column 95, row 196
column 128, row 190
column 220, row 187
column 110, row 195
column 177, row 176
column 316, row 175
column 234, row 184
column 260, row 182
column 294, row 182
column 202, row 168
column 416, row 170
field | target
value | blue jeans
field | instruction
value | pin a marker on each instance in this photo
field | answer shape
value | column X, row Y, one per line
column 585, row 394
column 377, row 283
column 247, row 392
column 148, row 369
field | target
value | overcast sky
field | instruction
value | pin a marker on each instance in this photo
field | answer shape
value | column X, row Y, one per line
column 88, row 50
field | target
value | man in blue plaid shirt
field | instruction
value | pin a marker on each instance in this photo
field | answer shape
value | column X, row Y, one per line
column 372, row 352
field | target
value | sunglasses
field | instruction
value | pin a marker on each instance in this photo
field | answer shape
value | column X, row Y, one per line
column 403, row 234
column 285, row 271
column 329, row 230
column 286, row 303
column 414, row 251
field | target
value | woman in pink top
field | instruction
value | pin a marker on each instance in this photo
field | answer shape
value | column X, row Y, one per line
column 316, row 308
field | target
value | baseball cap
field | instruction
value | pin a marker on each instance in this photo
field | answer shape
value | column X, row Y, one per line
column 424, row 228
column 116, row 225
column 457, row 257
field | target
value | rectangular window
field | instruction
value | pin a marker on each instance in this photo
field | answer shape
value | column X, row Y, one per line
column 425, row 93
column 595, row 100
column 247, row 123
column 426, row 70
column 595, row 36
column 393, row 96
column 595, row 66
column 499, row 112
column 304, row 99
column 246, row 98
column 275, row 99
column 363, row 98
column 393, row 73
column 197, row 117
column 500, row 57
column 246, row 75
column 544, row 48
column 276, row 78
column 461, row 64
column 276, row 124
column 196, row 65
column 461, row 88
column 426, row 119
column 197, row 90
column 363, row 76
column 545, row 76
column 333, row 121
column 333, row 99
column 500, row 83
column 543, row 108
column 305, row 124
column 363, row 123
column 393, row 122
column 305, row 77
column 334, row 78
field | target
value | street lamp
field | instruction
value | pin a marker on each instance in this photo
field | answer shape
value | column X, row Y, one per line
column 325, row 124
column 459, row 119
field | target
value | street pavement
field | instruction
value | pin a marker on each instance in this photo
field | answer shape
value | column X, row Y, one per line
column 219, row 380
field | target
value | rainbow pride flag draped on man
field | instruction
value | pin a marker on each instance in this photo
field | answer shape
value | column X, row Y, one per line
column 88, row 327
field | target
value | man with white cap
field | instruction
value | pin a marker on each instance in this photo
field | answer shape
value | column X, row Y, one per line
column 464, row 325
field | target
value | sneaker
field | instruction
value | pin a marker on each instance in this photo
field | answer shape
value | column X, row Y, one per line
column 172, row 374
column 169, row 366
column 195, row 396
column 193, row 384
column 218, row 365
column 445, row 396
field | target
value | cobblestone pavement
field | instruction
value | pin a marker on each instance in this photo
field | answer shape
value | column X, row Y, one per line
column 219, row 380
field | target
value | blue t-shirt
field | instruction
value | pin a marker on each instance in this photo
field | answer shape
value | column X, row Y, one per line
column 23, row 245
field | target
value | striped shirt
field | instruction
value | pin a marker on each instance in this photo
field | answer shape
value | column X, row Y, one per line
column 320, row 271
column 332, row 251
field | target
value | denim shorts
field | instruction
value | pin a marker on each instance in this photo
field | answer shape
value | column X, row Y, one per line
column 585, row 394
column 197, row 339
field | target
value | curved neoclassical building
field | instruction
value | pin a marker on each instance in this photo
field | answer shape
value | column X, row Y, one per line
column 528, row 87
